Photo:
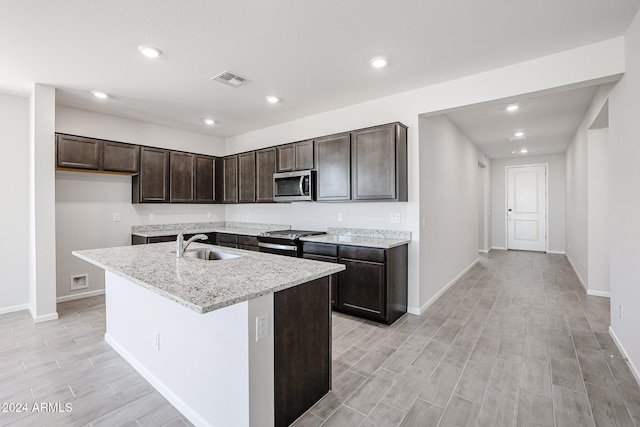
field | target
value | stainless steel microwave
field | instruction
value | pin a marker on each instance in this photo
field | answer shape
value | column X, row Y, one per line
column 294, row 186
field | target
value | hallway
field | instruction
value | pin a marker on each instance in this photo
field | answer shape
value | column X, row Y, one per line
column 515, row 342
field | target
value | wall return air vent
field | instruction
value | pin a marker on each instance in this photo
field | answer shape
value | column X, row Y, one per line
column 229, row 79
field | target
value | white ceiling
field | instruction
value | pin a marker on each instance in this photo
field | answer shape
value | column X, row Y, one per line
column 549, row 123
column 313, row 54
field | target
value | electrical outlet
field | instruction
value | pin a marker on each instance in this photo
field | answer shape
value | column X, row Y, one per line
column 621, row 313
column 156, row 340
column 395, row 218
column 340, row 216
column 209, row 214
column 116, row 217
column 152, row 216
column 424, row 222
column 262, row 326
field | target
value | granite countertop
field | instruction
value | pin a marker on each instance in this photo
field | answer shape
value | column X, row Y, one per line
column 204, row 286
column 382, row 239
column 246, row 229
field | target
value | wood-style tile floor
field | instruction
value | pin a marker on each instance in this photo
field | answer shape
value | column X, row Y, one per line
column 515, row 342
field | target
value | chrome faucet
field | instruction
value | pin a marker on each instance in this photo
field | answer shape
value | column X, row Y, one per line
column 182, row 246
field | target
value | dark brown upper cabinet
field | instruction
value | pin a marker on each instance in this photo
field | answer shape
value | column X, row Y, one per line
column 181, row 177
column 295, row 157
column 304, row 155
column 286, row 157
column 151, row 185
column 379, row 163
column 265, row 168
column 247, row 177
column 333, row 157
column 78, row 153
column 207, row 176
column 230, row 179
column 119, row 157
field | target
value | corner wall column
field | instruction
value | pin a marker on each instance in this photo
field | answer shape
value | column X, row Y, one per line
column 42, row 224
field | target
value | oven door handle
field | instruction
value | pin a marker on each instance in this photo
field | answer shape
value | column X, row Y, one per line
column 280, row 247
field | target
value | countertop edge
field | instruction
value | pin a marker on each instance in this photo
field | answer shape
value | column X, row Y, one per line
column 372, row 242
column 208, row 308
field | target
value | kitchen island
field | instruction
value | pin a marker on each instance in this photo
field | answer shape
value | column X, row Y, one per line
column 242, row 341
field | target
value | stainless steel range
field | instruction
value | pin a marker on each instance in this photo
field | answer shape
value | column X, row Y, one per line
column 284, row 242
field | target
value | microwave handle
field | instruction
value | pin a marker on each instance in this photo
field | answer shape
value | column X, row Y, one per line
column 301, row 183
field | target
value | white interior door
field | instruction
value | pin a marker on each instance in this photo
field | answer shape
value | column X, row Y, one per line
column 527, row 208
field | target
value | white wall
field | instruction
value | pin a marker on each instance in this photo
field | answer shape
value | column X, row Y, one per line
column 598, row 209
column 556, row 199
column 624, row 199
column 579, row 160
column 86, row 202
column 448, row 205
column 14, row 187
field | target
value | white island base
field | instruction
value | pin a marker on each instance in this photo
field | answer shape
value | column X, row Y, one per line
column 209, row 366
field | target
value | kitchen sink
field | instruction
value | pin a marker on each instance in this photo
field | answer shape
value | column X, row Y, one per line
column 208, row 254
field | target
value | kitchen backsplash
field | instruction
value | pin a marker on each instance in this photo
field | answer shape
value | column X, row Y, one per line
column 376, row 234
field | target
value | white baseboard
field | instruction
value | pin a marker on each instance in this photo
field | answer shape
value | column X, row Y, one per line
column 557, row 252
column 498, row 248
column 483, row 251
column 80, row 295
column 605, row 294
column 45, row 318
column 578, row 274
column 447, row 286
column 179, row 404
column 14, row 308
column 632, row 366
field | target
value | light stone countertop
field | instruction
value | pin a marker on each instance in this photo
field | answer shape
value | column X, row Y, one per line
column 382, row 239
column 204, row 286
column 245, row 229
column 369, row 242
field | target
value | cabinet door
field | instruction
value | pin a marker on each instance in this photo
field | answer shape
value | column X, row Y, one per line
column 205, row 181
column 153, row 180
column 230, row 187
column 247, row 177
column 181, row 189
column 286, row 157
column 265, row 168
column 361, row 288
column 118, row 157
column 333, row 155
column 304, row 155
column 373, row 157
column 77, row 152
column 333, row 279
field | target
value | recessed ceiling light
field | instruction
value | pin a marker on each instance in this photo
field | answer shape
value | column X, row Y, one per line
column 99, row 94
column 512, row 107
column 518, row 134
column 513, row 152
column 378, row 62
column 149, row 51
column 272, row 99
column 523, row 151
column 209, row 122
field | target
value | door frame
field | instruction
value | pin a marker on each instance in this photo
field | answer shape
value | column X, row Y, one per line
column 546, row 202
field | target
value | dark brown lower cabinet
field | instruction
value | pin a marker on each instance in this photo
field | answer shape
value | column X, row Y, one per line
column 302, row 348
column 374, row 284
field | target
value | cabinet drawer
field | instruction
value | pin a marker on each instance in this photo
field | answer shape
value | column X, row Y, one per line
column 320, row 249
column 160, row 239
column 248, row 248
column 247, row 240
column 360, row 253
column 227, row 238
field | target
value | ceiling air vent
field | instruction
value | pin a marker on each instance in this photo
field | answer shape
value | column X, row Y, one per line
column 229, row 79
column 518, row 139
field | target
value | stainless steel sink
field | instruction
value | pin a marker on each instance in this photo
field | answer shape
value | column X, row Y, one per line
column 208, row 254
